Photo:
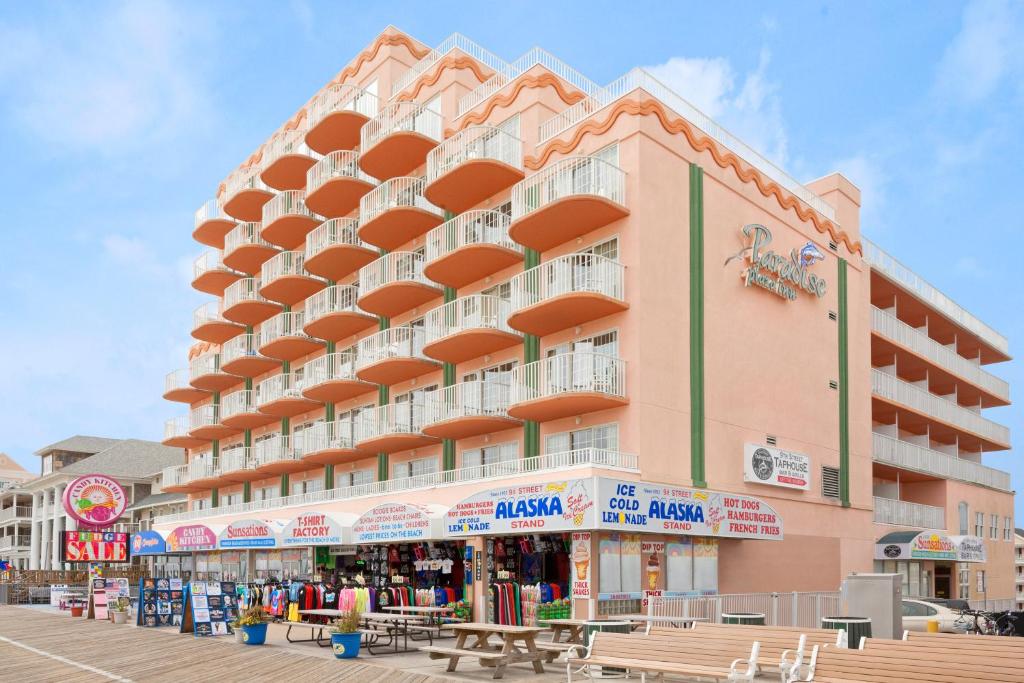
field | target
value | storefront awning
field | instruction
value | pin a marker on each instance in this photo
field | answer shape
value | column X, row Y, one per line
column 148, row 543
column 316, row 528
column 251, row 533
column 399, row 523
column 193, row 537
column 928, row 545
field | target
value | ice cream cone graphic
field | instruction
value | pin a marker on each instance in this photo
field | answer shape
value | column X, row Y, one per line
column 653, row 571
column 581, row 558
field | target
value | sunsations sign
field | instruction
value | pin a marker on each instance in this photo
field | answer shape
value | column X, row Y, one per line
column 784, row 276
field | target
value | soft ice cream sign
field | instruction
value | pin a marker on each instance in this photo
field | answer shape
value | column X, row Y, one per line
column 547, row 506
column 95, row 501
column 660, row 508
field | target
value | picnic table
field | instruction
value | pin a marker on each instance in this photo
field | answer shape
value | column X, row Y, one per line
column 433, row 614
column 649, row 619
column 572, row 628
column 318, row 629
column 517, row 644
column 394, row 626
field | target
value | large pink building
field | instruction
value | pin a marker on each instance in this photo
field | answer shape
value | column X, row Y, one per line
column 574, row 337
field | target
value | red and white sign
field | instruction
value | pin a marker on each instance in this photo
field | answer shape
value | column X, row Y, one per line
column 250, row 533
column 397, row 523
column 94, row 546
column 95, row 501
column 312, row 528
column 776, row 467
column 582, row 585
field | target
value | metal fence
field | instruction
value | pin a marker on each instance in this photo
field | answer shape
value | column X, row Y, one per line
column 779, row 609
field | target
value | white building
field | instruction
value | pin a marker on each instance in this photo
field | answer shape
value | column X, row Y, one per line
column 15, row 513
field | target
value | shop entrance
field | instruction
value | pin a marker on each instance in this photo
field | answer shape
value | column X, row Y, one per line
column 528, row 578
column 943, row 581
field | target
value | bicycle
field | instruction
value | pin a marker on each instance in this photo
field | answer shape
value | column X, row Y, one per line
column 975, row 621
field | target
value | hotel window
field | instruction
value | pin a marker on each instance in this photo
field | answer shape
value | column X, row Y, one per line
column 1007, row 529
column 510, row 125
column 307, row 486
column 201, row 504
column 409, row 408
column 979, row 524
column 609, row 249
column 413, row 468
column 502, row 290
column 297, row 431
column 964, row 518
column 964, row 575
column 607, row 344
column 993, row 526
column 491, row 455
column 357, row 478
column 266, row 493
column 609, row 154
column 602, row 437
column 231, row 499
column 345, row 423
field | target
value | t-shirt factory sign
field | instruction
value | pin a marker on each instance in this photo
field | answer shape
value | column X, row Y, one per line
column 312, row 528
column 546, row 506
column 776, row 467
column 784, row 276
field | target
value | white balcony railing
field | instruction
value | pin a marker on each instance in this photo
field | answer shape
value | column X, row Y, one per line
column 243, row 179
column 245, row 234
column 287, row 203
column 404, row 191
column 897, row 390
column 473, row 312
column 469, row 228
column 242, row 346
column 640, row 79
column 210, row 211
column 287, row 263
column 177, row 379
column 582, row 273
column 893, row 451
column 210, row 312
column 15, row 512
column 563, row 461
column 394, row 418
column 340, row 365
column 894, row 329
column 331, row 233
column 287, row 324
column 576, row 372
column 201, row 467
column 922, row 289
column 905, row 513
column 455, row 41
column 286, row 142
column 277, row 387
column 396, row 266
column 477, row 398
column 204, row 416
column 340, row 164
column 394, row 342
column 236, row 459
column 209, row 261
column 244, row 291
column 333, row 299
column 175, row 475
column 399, row 117
column 206, row 364
column 337, row 435
column 176, row 427
column 566, row 178
column 474, row 142
column 342, row 97
column 238, row 402
column 274, row 449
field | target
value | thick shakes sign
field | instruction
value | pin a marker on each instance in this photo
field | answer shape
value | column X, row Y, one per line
column 549, row 506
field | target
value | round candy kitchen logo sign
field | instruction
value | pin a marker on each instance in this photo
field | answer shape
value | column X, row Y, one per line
column 95, row 500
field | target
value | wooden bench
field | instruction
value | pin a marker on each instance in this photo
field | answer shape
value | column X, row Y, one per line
column 880, row 665
column 795, row 662
column 990, row 662
column 695, row 657
column 783, row 652
column 455, row 653
column 972, row 641
column 553, row 649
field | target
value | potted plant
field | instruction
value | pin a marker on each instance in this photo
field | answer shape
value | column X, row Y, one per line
column 345, row 635
column 236, row 627
column 254, row 626
column 119, row 613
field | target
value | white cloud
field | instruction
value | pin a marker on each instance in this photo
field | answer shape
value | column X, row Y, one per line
column 751, row 110
column 984, row 52
column 135, row 254
column 869, row 175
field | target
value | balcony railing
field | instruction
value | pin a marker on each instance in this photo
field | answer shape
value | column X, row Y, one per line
column 244, row 179
column 572, row 273
column 210, row 312
column 15, row 512
column 904, row 513
column 238, row 403
column 893, row 451
column 201, row 467
column 10, row 543
column 394, row 418
column 176, row 427
column 277, row 387
column 473, row 312
column 400, row 117
column 394, row 342
column 576, row 372
column 340, row 365
column 333, row 232
column 337, row 435
column 894, row 329
column 245, row 290
column 567, row 460
column 342, row 97
column 404, row 191
column 895, row 389
column 242, row 346
column 468, row 399
column 177, row 379
column 474, row 142
column 455, row 41
column 566, row 178
column 210, row 211
column 340, row 164
column 206, row 364
column 236, row 459
column 397, row 266
column 287, row 324
column 922, row 289
column 333, row 299
column 284, row 143
column 469, row 228
column 274, row 449
column 208, row 261
column 287, row 203
column 245, row 234
column 283, row 265
column 204, row 416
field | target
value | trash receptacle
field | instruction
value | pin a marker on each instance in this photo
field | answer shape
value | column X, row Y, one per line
column 855, row 627
column 609, row 627
column 933, row 626
column 748, row 618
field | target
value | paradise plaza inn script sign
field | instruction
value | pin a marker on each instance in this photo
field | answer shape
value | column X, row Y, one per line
column 783, row 276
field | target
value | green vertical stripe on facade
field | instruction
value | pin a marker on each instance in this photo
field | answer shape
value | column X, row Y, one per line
column 284, row 484
column 844, row 390
column 382, row 467
column 215, row 454
column 247, row 492
column 531, row 354
column 697, row 418
column 247, row 442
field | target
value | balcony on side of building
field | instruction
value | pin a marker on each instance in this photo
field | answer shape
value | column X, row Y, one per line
column 395, row 283
column 245, row 194
column 212, row 225
column 393, row 355
column 205, row 372
column 175, row 479
column 241, row 356
column 904, row 455
column 244, row 304
column 900, row 392
column 567, row 291
column 284, row 279
column 567, row 384
column 240, row 410
column 244, row 249
column 469, row 327
column 204, row 423
column 393, row 427
column 331, row 378
column 337, row 115
column 275, row 456
column 283, row 338
column 565, row 200
column 210, row 325
column 470, row 247
column 177, row 387
column 281, row 396
column 210, row 275
column 398, row 138
column 176, row 434
column 331, row 443
column 336, row 183
column 334, row 314
column 286, row 220
column 395, row 212
column 905, row 513
column 23, row 512
column 468, row 409
column 476, row 163
column 334, row 250
column 237, row 465
column 286, row 159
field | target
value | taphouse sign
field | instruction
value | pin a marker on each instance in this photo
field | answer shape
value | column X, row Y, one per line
column 784, row 276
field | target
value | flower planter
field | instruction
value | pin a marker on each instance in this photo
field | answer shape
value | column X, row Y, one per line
column 77, row 611
column 255, row 634
column 119, row 617
column 345, row 645
column 239, row 635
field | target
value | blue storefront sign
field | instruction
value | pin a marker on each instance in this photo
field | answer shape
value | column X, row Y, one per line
column 148, row 543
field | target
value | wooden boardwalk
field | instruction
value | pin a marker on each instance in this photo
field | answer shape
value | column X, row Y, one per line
column 32, row 643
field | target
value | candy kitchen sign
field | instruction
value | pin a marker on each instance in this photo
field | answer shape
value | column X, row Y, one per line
column 312, row 528
column 190, row 538
column 547, row 506
column 637, row 506
column 95, row 501
column 396, row 522
column 776, row 467
column 784, row 276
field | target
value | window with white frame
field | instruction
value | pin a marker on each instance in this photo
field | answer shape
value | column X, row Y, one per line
column 231, row 499
column 964, row 519
column 297, row 430
column 964, row 575
column 265, row 493
column 979, row 524
column 307, row 486
column 609, row 154
column 355, row 478
column 993, row 526
column 1007, row 529
column 609, row 249
column 491, row 455
column 201, row 504
column 603, row 437
column 413, row 468
column 502, row 290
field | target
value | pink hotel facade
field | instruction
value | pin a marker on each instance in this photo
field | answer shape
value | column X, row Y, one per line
column 464, row 303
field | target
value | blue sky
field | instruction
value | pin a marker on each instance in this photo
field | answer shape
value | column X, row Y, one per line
column 118, row 120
